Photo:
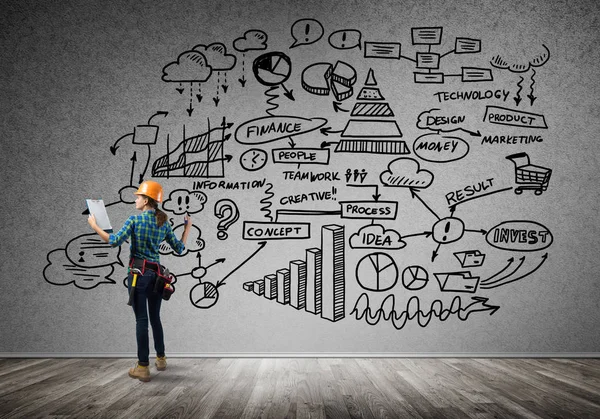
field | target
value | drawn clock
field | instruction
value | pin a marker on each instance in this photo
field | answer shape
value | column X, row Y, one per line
column 253, row 159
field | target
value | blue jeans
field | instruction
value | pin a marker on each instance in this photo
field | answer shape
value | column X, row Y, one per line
column 146, row 305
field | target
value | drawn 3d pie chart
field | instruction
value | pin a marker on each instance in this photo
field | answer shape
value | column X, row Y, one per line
column 272, row 68
column 204, row 295
column 414, row 278
column 377, row 272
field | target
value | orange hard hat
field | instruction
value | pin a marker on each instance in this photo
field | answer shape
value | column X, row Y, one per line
column 151, row 189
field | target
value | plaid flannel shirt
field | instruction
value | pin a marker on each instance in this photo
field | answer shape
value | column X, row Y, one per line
column 147, row 236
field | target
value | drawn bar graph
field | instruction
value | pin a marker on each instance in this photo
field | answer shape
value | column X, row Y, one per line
column 317, row 284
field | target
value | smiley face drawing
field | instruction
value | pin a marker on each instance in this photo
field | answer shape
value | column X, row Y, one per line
column 253, row 159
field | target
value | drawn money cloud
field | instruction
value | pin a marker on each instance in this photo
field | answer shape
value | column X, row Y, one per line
column 191, row 66
column 522, row 62
column 61, row 271
column 216, row 56
column 406, row 173
column 374, row 236
column 182, row 201
column 252, row 40
column 194, row 242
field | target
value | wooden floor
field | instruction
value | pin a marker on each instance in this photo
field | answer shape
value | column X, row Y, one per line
column 303, row 388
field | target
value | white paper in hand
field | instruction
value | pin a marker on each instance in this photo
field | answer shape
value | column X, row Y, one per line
column 97, row 208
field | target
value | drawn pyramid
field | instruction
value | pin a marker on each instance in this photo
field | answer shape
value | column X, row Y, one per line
column 372, row 127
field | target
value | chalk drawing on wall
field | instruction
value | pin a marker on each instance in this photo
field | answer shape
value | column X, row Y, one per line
column 345, row 39
column 273, row 69
column 196, row 156
column 306, row 32
column 252, row 40
column 316, row 285
column 526, row 65
column 529, row 176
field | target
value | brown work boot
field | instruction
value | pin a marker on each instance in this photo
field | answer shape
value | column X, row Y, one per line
column 161, row 363
column 140, row 372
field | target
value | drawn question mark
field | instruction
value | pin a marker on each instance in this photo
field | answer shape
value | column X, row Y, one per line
column 228, row 212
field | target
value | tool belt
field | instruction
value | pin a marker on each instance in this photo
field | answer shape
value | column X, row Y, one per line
column 165, row 280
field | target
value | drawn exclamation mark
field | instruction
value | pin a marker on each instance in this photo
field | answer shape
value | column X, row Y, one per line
column 306, row 29
column 446, row 230
column 333, row 193
column 343, row 39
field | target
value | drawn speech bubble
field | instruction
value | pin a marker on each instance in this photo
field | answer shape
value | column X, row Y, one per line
column 345, row 39
column 438, row 148
column 272, row 128
column 182, row 201
column 60, row 271
column 90, row 251
column 306, row 32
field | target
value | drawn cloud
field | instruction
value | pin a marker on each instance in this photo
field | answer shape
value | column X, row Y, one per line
column 374, row 236
column 405, row 173
column 216, row 56
column 182, row 201
column 191, row 66
column 427, row 120
column 252, row 40
column 194, row 243
column 61, row 271
column 523, row 62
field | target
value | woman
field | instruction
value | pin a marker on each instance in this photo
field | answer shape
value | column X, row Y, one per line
column 146, row 231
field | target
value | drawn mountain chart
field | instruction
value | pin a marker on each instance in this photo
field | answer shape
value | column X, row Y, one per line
column 198, row 156
column 372, row 127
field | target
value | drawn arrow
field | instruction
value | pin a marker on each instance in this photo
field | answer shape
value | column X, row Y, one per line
column 288, row 93
column 292, row 143
column 243, row 81
column 453, row 206
column 489, row 281
column 376, row 186
column 328, row 130
column 482, row 231
column 180, row 90
column 544, row 258
column 164, row 113
column 147, row 164
column 532, row 98
column 133, row 160
column 414, row 194
column 190, row 109
column 517, row 98
column 261, row 245
column 425, row 233
column 326, row 144
column 224, row 87
column 435, row 252
column 474, row 134
column 337, row 107
column 484, row 307
column 221, row 260
column 199, row 97
column 114, row 147
column 216, row 100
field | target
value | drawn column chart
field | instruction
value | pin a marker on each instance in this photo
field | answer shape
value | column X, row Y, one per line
column 316, row 285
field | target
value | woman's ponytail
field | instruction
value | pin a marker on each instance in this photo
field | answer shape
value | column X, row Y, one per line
column 161, row 217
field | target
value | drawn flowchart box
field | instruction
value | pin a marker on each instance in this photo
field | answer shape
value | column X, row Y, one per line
column 145, row 134
column 427, row 36
column 372, row 210
column 514, row 118
column 428, row 60
column 301, row 155
column 474, row 74
column 390, row 50
column 429, row 78
column 467, row 46
column 258, row 230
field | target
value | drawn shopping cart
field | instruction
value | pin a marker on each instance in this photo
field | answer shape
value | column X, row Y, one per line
column 528, row 175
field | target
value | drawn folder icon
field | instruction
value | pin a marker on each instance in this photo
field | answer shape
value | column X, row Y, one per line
column 457, row 282
column 470, row 258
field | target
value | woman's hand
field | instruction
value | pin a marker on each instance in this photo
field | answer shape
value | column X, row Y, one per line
column 187, row 221
column 92, row 221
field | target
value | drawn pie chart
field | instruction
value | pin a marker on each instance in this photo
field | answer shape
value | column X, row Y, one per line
column 414, row 278
column 272, row 68
column 204, row 295
column 377, row 272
